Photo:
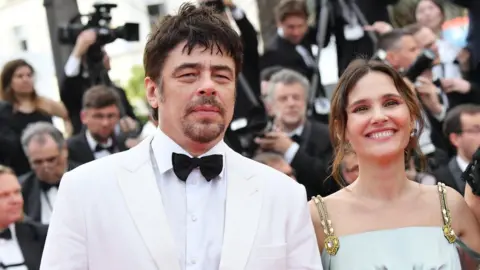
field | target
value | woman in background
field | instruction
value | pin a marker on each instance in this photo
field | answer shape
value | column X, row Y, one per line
column 17, row 88
column 383, row 220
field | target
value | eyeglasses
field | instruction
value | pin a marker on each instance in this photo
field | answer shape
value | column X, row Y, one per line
column 46, row 161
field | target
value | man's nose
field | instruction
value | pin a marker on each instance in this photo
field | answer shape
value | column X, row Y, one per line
column 207, row 87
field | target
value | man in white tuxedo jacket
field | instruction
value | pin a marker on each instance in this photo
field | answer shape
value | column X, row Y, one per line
column 182, row 199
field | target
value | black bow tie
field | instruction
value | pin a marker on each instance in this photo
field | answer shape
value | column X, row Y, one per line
column 100, row 148
column 46, row 186
column 296, row 138
column 6, row 234
column 210, row 166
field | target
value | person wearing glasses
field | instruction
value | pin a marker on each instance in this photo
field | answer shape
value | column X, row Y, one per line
column 47, row 154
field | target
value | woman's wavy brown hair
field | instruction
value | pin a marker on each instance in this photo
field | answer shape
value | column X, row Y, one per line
column 338, row 115
column 9, row 69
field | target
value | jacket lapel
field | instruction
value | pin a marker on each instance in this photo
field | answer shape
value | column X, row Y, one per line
column 243, row 206
column 457, row 173
column 34, row 201
column 138, row 184
column 30, row 244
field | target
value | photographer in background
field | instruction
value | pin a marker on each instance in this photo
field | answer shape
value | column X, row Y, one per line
column 77, row 81
column 249, row 79
column 302, row 142
column 457, row 90
column 402, row 52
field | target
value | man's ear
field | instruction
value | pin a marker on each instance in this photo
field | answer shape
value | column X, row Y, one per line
column 391, row 58
column 454, row 139
column 83, row 116
column 151, row 88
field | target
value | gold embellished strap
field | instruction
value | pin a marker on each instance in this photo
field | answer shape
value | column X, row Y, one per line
column 447, row 219
column 331, row 242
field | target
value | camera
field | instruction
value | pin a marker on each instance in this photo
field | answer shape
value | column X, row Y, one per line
column 216, row 5
column 99, row 20
column 423, row 62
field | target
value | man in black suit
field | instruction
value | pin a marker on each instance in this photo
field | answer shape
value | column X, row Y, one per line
column 304, row 144
column 47, row 153
column 346, row 22
column 462, row 127
column 401, row 49
column 78, row 79
column 100, row 115
column 250, row 75
column 292, row 46
column 21, row 240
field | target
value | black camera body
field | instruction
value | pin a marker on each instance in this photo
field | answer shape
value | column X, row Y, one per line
column 423, row 62
column 99, row 20
column 471, row 175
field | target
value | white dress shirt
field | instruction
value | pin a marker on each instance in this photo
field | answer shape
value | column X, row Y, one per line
column 10, row 252
column 195, row 209
column 72, row 67
column 462, row 164
column 47, row 201
column 293, row 149
column 93, row 144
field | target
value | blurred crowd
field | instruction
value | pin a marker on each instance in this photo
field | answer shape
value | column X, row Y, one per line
column 281, row 112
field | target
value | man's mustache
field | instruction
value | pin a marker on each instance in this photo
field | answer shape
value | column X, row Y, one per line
column 205, row 100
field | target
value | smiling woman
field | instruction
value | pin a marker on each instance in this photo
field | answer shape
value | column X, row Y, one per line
column 355, row 101
column 405, row 224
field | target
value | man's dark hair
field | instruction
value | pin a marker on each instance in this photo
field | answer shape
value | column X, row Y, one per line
column 453, row 123
column 389, row 41
column 268, row 72
column 197, row 26
column 100, row 96
column 287, row 8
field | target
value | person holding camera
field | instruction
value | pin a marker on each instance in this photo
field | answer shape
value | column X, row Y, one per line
column 304, row 143
column 401, row 53
column 77, row 81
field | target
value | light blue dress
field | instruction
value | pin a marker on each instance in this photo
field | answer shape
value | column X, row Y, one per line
column 416, row 248
column 409, row 248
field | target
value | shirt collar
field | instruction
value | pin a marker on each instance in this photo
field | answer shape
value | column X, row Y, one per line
column 298, row 131
column 163, row 147
column 93, row 143
column 463, row 164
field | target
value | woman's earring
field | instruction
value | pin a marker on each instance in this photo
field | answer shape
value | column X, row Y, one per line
column 413, row 133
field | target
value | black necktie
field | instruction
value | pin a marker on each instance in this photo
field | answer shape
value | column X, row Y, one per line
column 100, row 148
column 210, row 166
column 6, row 234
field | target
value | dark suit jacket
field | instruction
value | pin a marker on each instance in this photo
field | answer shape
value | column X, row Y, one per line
column 348, row 50
column 313, row 159
column 10, row 147
column 71, row 94
column 250, row 68
column 31, row 193
column 451, row 176
column 79, row 150
column 281, row 52
column 31, row 238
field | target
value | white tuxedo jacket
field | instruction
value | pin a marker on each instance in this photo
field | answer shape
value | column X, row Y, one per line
column 109, row 215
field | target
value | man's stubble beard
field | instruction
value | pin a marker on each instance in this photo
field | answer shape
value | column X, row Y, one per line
column 203, row 131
